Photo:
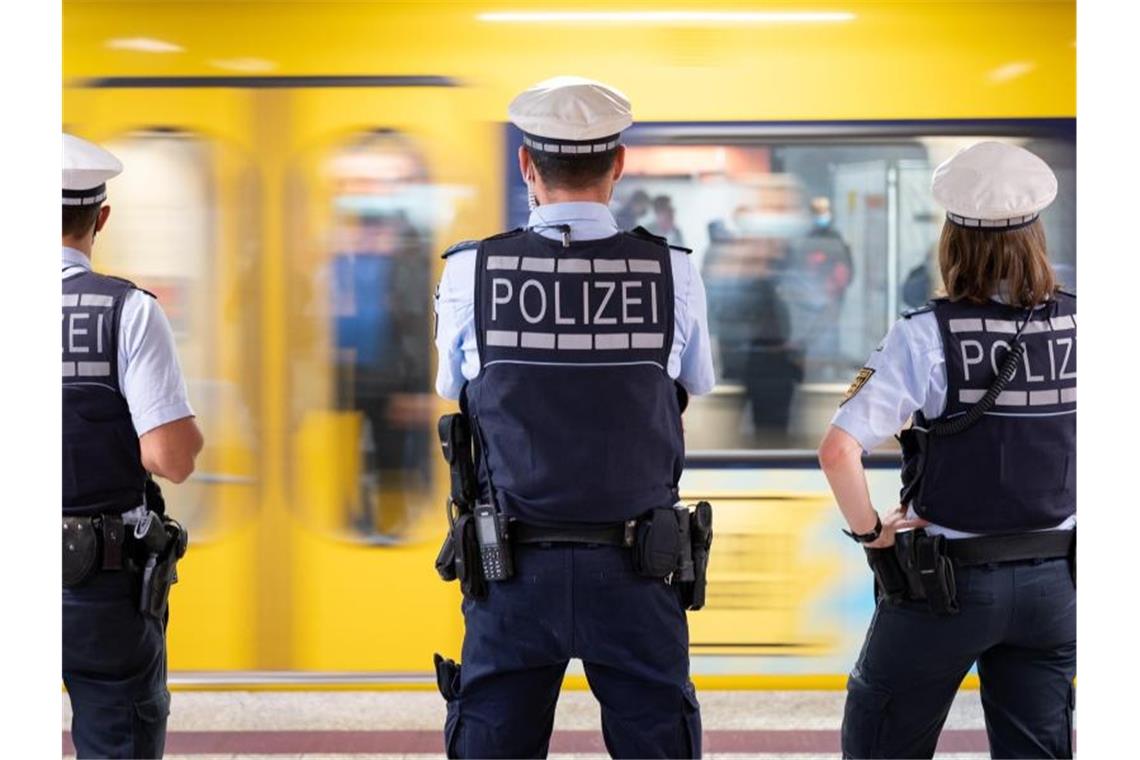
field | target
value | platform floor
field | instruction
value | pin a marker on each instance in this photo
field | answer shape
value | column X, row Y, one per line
column 408, row 724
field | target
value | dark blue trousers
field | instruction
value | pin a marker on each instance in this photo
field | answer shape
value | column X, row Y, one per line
column 114, row 667
column 1017, row 622
column 575, row 601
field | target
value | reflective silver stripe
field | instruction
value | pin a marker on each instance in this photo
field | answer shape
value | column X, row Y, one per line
column 1039, row 326
column 965, row 325
column 612, row 340
column 70, row 299
column 91, row 299
column 1012, row 398
column 1043, row 398
column 508, row 338
column 609, row 266
column 533, row 264
column 1069, row 395
column 567, row 148
column 575, row 342
column 1063, row 323
column 647, row 340
column 967, row 221
column 970, row 395
column 574, row 266
column 537, row 340
column 69, row 369
column 645, row 265
column 89, row 200
column 94, row 369
column 1000, row 326
column 502, row 262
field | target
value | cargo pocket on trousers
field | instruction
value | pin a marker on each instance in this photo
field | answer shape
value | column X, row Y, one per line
column 692, row 710
column 863, row 719
column 149, row 725
column 447, row 679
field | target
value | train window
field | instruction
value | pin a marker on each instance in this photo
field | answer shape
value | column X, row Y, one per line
column 361, row 338
column 166, row 234
column 809, row 249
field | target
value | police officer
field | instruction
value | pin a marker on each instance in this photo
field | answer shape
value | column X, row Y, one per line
column 125, row 417
column 977, row 564
column 572, row 346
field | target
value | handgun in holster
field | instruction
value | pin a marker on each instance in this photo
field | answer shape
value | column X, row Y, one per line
column 458, row 557
column 165, row 542
column 674, row 543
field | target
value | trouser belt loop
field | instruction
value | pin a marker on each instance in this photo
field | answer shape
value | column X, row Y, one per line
column 113, row 531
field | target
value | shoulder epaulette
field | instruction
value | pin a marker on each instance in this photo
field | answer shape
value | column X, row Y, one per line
column 460, row 246
column 508, row 233
column 928, row 306
column 125, row 281
column 681, row 248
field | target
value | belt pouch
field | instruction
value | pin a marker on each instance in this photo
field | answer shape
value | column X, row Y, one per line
column 446, row 676
column 468, row 567
column 445, row 560
column 890, row 582
column 80, row 550
column 657, row 548
column 936, row 574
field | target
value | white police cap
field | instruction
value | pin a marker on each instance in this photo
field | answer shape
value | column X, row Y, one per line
column 993, row 185
column 86, row 169
column 570, row 115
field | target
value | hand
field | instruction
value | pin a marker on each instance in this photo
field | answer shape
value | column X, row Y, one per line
column 895, row 521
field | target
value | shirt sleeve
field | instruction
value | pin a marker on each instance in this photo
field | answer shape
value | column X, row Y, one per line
column 896, row 382
column 697, row 374
column 149, row 374
column 454, row 318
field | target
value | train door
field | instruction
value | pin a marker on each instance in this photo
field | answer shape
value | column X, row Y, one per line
column 183, row 227
column 377, row 182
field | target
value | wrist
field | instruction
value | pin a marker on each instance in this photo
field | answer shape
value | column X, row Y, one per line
column 869, row 535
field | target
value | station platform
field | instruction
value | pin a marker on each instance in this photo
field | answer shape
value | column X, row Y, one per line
column 409, row 724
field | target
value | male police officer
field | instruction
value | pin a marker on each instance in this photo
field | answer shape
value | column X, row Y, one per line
column 125, row 414
column 572, row 346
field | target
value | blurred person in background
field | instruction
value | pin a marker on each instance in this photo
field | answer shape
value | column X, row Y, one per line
column 631, row 212
column 977, row 562
column 381, row 321
column 126, row 418
column 575, row 400
column 824, row 261
column 664, row 222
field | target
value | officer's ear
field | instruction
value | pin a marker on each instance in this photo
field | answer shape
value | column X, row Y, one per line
column 101, row 220
column 526, row 167
column 619, row 162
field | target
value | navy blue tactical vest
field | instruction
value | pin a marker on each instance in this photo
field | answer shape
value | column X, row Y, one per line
column 1016, row 468
column 102, row 466
column 576, row 418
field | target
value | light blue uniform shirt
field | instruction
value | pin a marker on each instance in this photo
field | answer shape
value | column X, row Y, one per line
column 149, row 374
column 910, row 374
column 690, row 359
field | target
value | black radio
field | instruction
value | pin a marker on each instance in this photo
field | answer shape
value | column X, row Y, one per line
column 494, row 551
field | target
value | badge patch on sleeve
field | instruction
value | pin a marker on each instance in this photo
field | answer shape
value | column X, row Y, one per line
column 857, row 384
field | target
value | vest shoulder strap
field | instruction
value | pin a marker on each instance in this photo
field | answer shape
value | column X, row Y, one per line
column 508, row 234
column 644, row 234
column 1068, row 293
column 463, row 245
column 926, row 307
column 132, row 285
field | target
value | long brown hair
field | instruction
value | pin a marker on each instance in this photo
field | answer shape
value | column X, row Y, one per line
column 974, row 261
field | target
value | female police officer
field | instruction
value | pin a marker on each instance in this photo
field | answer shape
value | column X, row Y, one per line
column 989, row 373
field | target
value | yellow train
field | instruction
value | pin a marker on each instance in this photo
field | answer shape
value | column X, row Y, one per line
column 293, row 170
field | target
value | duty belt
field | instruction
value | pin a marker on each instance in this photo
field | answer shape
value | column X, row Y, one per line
column 984, row 550
column 609, row 534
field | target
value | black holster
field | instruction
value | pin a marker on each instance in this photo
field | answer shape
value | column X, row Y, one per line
column 675, row 543
column 166, row 541
column 890, row 582
column 458, row 557
column 927, row 570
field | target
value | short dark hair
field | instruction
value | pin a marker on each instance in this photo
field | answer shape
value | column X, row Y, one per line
column 78, row 220
column 572, row 171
